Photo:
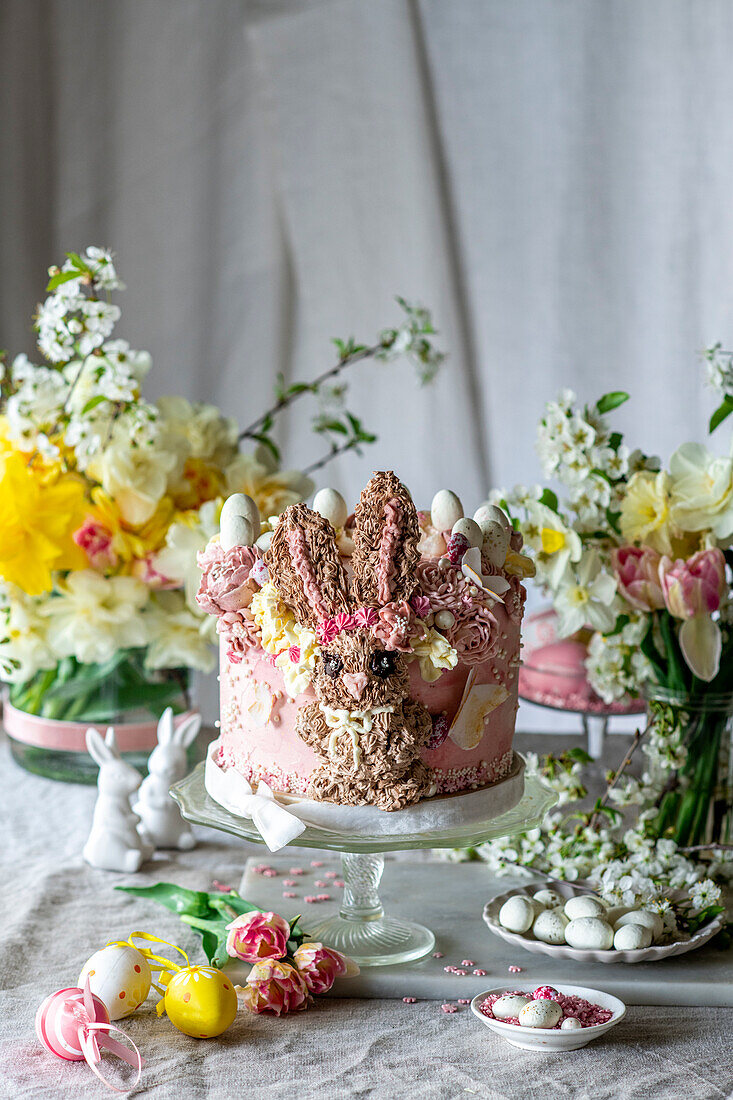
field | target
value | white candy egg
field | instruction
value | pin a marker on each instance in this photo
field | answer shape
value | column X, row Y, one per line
column 445, row 510
column 632, row 937
column 584, row 905
column 570, row 1024
column 540, row 1013
column 470, row 530
column 550, row 899
column 239, row 504
column 495, row 544
column 119, row 976
column 487, row 514
column 509, row 1006
column 236, row 531
column 550, row 925
column 263, row 542
column 517, row 914
column 616, row 911
column 444, row 620
column 589, row 934
column 331, row 505
column 643, row 917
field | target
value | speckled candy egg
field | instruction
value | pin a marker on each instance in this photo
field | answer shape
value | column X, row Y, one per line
column 470, row 530
column 120, row 976
column 549, row 899
column 517, row 914
column 652, row 921
column 331, row 505
column 509, row 1006
column 570, row 1024
column 540, row 1013
column 584, row 905
column 200, row 1001
column 487, row 514
column 550, row 925
column 589, row 934
column 445, row 510
column 632, row 937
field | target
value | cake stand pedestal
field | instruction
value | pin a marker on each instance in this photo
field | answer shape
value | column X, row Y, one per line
column 361, row 929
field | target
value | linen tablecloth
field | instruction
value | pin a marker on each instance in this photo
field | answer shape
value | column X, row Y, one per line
column 55, row 911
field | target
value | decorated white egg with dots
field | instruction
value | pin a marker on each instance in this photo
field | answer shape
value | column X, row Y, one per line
column 495, row 544
column 120, row 976
column 541, row 1013
column 646, row 919
column 239, row 504
column 517, row 914
column 589, row 934
column 632, row 937
column 549, row 899
column 570, row 1024
column 470, row 530
column 584, row 905
column 509, row 1006
column 445, row 510
column 550, row 925
column 331, row 505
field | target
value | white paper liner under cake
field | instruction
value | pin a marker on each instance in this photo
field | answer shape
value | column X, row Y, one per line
column 230, row 789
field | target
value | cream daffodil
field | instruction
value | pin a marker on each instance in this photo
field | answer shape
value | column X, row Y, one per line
column 553, row 542
column 701, row 490
column 645, row 513
column 585, row 597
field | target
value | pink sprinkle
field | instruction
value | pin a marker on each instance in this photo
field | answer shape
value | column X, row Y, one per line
column 289, row 882
column 216, row 885
column 316, row 863
column 339, row 882
column 289, row 894
column 437, row 954
column 410, row 1000
column 320, row 882
column 269, row 872
column 463, row 1001
column 323, row 897
column 296, row 871
column 515, row 969
column 261, row 868
column 311, row 899
column 449, row 969
column 459, row 973
column 468, row 962
column 449, row 1008
column 479, row 973
column 332, row 874
column 294, row 654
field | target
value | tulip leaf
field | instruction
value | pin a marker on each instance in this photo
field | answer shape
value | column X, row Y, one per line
column 611, row 401
column 721, row 413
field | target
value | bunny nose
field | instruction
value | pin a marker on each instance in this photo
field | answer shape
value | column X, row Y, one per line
column 355, row 683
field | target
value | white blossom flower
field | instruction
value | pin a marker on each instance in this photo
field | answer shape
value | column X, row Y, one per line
column 585, row 596
column 704, row 894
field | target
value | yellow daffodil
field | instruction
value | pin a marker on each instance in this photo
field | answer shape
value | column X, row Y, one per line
column 645, row 515
column 131, row 543
column 40, row 508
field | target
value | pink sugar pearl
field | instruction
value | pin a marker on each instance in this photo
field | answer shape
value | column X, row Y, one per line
column 448, row 1008
column 410, row 1000
column 479, row 973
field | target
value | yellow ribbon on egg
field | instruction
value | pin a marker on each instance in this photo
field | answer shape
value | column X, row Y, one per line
column 165, row 968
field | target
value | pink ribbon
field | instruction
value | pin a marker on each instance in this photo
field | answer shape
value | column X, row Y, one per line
column 95, row 1034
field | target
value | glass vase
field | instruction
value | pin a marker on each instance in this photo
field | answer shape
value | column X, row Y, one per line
column 696, row 805
column 46, row 718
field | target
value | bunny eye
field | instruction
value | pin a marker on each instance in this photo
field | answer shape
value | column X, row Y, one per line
column 332, row 664
column 383, row 663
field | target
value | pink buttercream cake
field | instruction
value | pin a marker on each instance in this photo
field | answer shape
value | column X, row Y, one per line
column 456, row 638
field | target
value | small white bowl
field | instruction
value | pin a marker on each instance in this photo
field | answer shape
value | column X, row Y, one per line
column 549, row 1039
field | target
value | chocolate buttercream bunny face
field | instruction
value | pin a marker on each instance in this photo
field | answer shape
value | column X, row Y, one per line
column 356, row 673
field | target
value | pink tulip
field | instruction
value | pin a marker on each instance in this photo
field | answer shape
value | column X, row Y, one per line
column 96, row 542
column 637, row 572
column 275, row 987
column 693, row 587
column 254, row 937
column 319, row 966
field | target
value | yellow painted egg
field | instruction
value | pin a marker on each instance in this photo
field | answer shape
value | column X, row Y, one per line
column 200, row 1001
column 120, row 976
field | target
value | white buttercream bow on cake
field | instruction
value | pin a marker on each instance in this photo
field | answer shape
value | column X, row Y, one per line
column 276, row 825
column 352, row 722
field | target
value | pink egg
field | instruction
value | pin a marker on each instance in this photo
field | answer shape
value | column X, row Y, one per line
column 58, row 1020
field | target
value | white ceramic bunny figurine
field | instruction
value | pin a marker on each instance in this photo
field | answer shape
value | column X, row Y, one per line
column 114, row 843
column 162, row 823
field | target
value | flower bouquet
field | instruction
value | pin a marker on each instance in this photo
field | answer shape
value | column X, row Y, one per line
column 638, row 557
column 105, row 501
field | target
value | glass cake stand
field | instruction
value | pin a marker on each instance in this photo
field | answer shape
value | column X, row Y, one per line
column 361, row 929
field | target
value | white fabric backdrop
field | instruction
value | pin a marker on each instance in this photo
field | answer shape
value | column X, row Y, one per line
column 553, row 178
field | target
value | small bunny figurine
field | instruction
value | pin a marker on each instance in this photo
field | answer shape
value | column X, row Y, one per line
column 114, row 843
column 162, row 823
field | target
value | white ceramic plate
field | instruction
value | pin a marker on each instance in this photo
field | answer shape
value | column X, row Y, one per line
column 549, row 1039
column 563, row 951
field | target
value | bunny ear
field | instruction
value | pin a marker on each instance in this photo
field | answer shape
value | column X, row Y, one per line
column 165, row 727
column 186, row 733
column 111, row 742
column 304, row 564
column 97, row 748
column 385, row 542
